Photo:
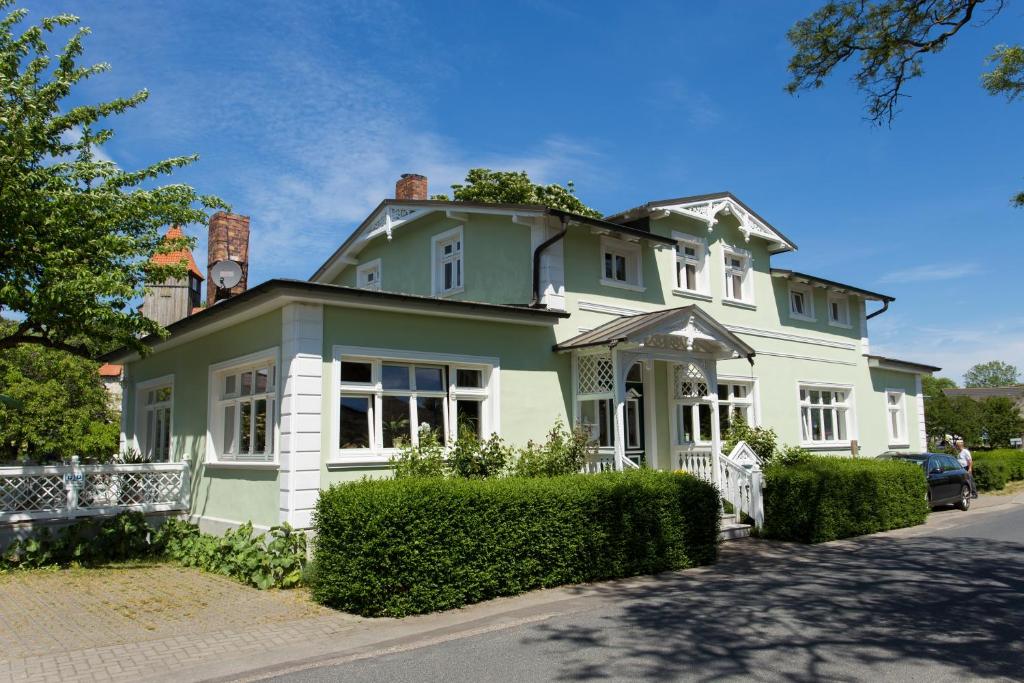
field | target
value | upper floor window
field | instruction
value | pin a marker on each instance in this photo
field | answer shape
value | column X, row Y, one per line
column 448, row 267
column 838, row 310
column 801, row 302
column 620, row 264
column 824, row 415
column 897, row 417
column 738, row 283
column 368, row 275
column 691, row 264
column 155, row 407
column 243, row 405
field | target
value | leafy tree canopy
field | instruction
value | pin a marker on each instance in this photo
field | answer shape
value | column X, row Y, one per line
column 78, row 230
column 1000, row 421
column 515, row 187
column 889, row 40
column 994, row 373
column 933, row 386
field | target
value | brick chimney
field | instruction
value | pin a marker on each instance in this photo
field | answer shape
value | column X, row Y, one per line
column 229, row 240
column 411, row 186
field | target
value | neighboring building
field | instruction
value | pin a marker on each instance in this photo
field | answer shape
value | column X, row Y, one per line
column 110, row 375
column 652, row 327
column 175, row 298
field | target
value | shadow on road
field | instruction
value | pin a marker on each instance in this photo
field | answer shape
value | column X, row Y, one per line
column 812, row 613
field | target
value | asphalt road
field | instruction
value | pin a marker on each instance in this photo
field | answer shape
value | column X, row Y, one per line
column 942, row 602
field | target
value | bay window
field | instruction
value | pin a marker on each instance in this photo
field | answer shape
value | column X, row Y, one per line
column 825, row 415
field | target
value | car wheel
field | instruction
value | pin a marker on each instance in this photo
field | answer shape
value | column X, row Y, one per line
column 965, row 498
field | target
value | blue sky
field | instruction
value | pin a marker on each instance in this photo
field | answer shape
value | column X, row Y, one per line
column 304, row 114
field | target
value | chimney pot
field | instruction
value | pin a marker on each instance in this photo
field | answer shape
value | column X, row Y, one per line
column 411, row 186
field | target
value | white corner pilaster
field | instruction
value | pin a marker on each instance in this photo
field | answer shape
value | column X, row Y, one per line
column 302, row 345
column 922, row 427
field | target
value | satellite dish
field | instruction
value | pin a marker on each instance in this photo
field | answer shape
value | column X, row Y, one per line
column 226, row 274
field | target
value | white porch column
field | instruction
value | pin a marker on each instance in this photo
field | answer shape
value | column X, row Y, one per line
column 301, row 379
column 716, row 439
column 619, row 388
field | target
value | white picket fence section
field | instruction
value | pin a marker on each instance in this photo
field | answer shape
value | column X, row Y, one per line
column 740, row 478
column 605, row 462
column 75, row 490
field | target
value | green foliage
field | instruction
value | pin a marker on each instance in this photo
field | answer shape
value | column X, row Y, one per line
column 77, row 229
column 825, row 498
column 564, row 452
column 274, row 560
column 994, row 469
column 762, row 440
column 1007, row 76
column 475, row 458
column 1000, row 421
column 515, row 187
column 994, row 373
column 933, row 386
column 63, row 407
column 424, row 460
column 408, row 546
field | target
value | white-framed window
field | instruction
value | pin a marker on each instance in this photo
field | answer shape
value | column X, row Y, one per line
column 801, row 302
column 692, row 421
column 825, row 414
column 368, row 275
column 386, row 399
column 691, row 265
column 739, row 285
column 735, row 399
column 595, row 404
column 839, row 311
column 154, row 418
column 896, row 417
column 621, row 264
column 448, row 264
column 243, row 409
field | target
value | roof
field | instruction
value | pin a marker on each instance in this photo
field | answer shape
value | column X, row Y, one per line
column 1013, row 392
column 630, row 327
column 326, row 293
column 649, row 207
column 441, row 205
column 896, row 364
column 110, row 370
column 866, row 293
column 174, row 258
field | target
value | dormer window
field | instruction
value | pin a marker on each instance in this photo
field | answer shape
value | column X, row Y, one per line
column 620, row 264
column 448, row 262
column 368, row 275
column 738, row 283
column 801, row 302
column 691, row 265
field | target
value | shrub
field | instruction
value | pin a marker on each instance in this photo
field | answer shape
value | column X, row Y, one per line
column 762, row 440
column 475, row 458
column 994, row 469
column 564, row 452
column 424, row 460
column 824, row 498
column 407, row 546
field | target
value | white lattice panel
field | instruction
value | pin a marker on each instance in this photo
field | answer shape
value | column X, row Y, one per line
column 595, row 374
column 689, row 381
column 103, row 490
column 32, row 493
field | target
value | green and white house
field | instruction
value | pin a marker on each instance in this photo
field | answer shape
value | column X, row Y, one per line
column 652, row 327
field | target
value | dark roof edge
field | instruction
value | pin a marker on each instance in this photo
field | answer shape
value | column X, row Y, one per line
column 833, row 283
column 906, row 363
column 299, row 287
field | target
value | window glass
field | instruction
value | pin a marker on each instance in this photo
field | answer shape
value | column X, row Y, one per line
column 635, row 373
column 245, row 426
column 430, row 414
column 394, row 421
column 356, row 373
column 246, row 383
column 468, row 379
column 262, row 376
column 469, row 416
column 723, row 392
column 395, row 377
column 259, row 426
column 429, row 379
column 355, row 422
column 230, row 385
column 632, row 424
column 230, row 444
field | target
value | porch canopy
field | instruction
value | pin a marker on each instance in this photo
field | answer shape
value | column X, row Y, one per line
column 689, row 339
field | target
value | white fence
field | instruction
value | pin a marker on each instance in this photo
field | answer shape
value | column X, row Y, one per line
column 70, row 491
column 740, row 478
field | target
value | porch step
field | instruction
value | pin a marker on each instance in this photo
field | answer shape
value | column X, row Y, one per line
column 731, row 530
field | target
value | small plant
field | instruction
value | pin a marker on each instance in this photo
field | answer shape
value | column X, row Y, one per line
column 473, row 458
column 130, row 456
column 424, row 460
column 564, row 452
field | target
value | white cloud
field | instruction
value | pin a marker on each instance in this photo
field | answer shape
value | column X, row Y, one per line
column 931, row 272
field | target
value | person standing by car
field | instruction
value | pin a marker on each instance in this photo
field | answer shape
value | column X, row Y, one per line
column 967, row 462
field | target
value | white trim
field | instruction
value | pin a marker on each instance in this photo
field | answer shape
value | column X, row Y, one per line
column 622, row 285
column 228, row 465
column 702, row 274
column 755, row 396
column 212, row 403
column 922, row 427
column 747, row 278
column 904, row 427
column 808, row 297
column 771, row 334
column 157, row 382
column 368, row 267
column 707, row 210
column 692, row 295
column 738, row 303
column 458, row 234
column 608, row 309
column 814, row 358
column 852, row 430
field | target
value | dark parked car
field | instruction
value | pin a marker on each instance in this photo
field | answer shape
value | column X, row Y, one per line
column 947, row 480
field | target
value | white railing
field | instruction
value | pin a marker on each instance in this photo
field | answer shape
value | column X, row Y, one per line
column 697, row 462
column 740, row 478
column 605, row 462
column 69, row 491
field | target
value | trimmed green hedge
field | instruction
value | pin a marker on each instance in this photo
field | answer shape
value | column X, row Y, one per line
column 824, row 498
column 398, row 547
column 994, row 469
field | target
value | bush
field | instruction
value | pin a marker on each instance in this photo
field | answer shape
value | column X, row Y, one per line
column 564, row 452
column 473, row 458
column 86, row 542
column 408, row 546
column 994, row 469
column 824, row 498
column 762, row 440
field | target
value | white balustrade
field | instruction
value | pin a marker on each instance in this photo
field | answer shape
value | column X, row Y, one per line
column 75, row 490
column 740, row 478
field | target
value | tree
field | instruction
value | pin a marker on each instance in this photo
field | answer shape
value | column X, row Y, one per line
column 1000, row 421
column 933, row 386
column 78, row 230
column 890, row 39
column 994, row 373
column 515, row 187
column 62, row 407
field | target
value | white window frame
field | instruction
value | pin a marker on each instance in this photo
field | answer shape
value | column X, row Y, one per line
column 847, row 407
column 216, row 404
column 900, row 439
column 746, row 277
column 365, row 271
column 807, row 292
column 633, row 256
column 700, row 263
column 437, row 261
column 487, row 396
column 141, row 437
column 843, row 301
column 750, row 402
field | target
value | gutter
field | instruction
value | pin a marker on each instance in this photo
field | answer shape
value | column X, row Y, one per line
column 535, row 302
column 880, row 311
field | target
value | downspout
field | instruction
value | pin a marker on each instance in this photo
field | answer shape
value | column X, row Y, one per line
column 880, row 311
column 536, row 259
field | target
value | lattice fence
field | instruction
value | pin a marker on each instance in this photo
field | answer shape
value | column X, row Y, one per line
column 33, row 493
column 103, row 490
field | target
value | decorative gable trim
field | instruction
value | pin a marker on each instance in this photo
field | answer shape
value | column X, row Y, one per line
column 708, row 210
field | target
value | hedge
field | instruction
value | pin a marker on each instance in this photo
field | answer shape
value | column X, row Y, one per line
column 410, row 546
column 825, row 498
column 993, row 469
